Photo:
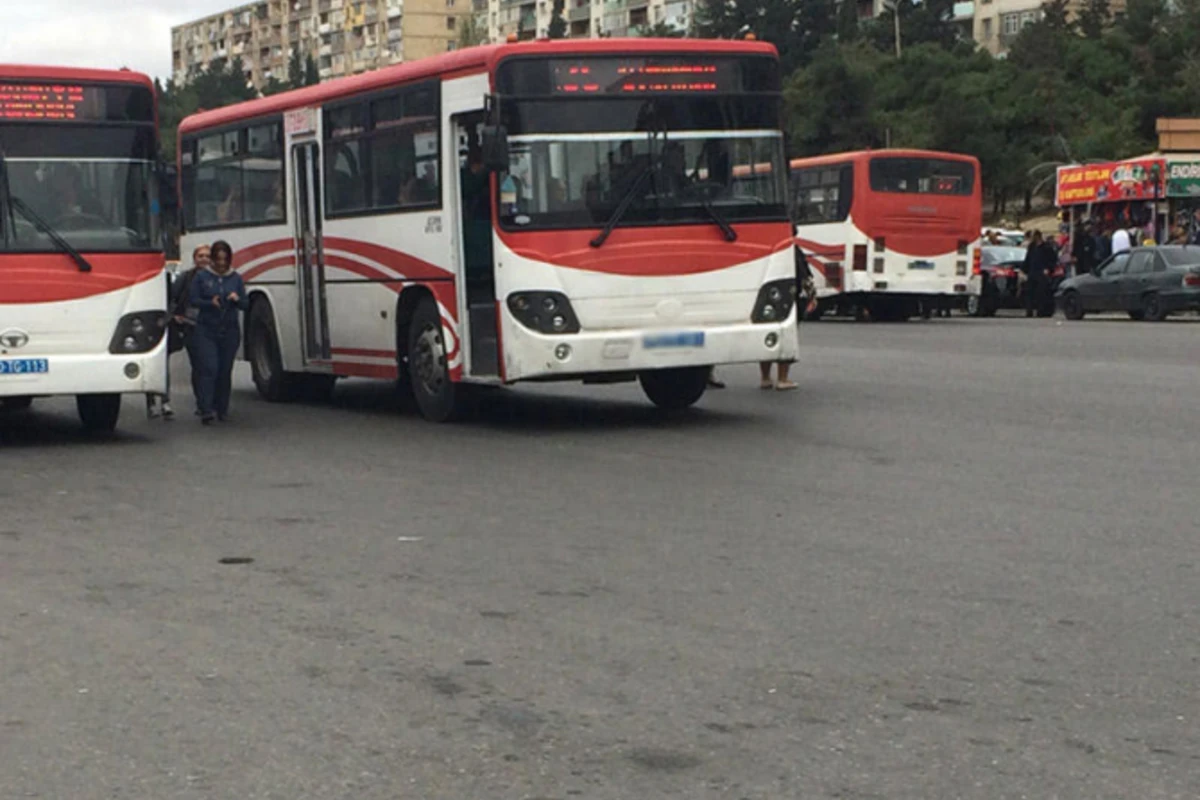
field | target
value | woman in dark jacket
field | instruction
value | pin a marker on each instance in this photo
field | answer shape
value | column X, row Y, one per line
column 218, row 295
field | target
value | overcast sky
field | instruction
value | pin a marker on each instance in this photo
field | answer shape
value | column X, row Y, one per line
column 98, row 33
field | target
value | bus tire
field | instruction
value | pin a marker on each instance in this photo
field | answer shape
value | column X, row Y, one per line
column 438, row 398
column 18, row 403
column 262, row 351
column 99, row 412
column 675, row 389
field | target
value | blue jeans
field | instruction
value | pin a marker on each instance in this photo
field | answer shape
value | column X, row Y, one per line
column 213, row 351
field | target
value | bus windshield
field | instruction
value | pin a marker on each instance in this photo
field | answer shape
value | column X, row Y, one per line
column 93, row 185
column 907, row 175
column 709, row 142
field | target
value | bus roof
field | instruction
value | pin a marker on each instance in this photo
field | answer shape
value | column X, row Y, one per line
column 458, row 62
column 857, row 155
column 33, row 72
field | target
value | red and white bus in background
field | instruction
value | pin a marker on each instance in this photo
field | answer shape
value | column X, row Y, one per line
column 547, row 210
column 889, row 233
column 83, row 292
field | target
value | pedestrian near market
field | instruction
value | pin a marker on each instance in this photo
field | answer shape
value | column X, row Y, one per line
column 1121, row 242
column 1040, row 260
column 219, row 295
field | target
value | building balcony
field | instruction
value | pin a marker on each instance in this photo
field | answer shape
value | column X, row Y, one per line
column 581, row 11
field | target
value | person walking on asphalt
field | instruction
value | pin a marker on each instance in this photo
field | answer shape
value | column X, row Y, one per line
column 183, row 316
column 1040, row 260
column 219, row 295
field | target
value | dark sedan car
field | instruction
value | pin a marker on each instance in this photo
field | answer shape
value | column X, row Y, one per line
column 1146, row 282
column 1002, row 285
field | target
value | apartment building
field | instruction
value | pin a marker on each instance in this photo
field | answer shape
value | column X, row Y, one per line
column 343, row 36
column 530, row 19
column 997, row 23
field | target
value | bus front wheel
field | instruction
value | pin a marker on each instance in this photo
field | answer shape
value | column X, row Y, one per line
column 438, row 398
column 262, row 350
column 99, row 412
column 675, row 389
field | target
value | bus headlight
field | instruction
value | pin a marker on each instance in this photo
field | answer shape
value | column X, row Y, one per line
column 544, row 312
column 139, row 332
column 775, row 301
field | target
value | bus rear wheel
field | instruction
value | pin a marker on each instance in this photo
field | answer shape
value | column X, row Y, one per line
column 438, row 398
column 99, row 412
column 675, row 389
column 262, row 350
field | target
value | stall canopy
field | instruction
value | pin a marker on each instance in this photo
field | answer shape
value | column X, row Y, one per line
column 1134, row 179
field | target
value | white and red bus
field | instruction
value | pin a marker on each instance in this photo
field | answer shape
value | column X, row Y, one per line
column 558, row 210
column 889, row 232
column 82, row 287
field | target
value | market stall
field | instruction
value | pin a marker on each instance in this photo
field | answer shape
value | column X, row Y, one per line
column 1127, row 194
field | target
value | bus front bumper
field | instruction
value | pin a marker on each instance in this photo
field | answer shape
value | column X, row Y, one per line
column 530, row 355
column 94, row 373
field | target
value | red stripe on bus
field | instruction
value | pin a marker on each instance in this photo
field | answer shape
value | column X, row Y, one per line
column 826, row 250
column 256, row 251
column 657, row 251
column 362, row 352
column 288, row 260
column 353, row 370
column 409, row 266
column 55, row 278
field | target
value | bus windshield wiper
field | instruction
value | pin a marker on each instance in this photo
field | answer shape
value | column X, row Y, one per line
column 55, row 236
column 623, row 206
column 717, row 217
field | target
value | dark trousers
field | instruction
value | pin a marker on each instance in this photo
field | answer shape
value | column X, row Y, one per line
column 213, row 351
column 194, row 363
column 1035, row 295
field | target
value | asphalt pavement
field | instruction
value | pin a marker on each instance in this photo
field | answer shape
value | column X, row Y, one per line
column 960, row 561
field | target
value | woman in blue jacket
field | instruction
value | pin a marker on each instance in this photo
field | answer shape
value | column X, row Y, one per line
column 219, row 295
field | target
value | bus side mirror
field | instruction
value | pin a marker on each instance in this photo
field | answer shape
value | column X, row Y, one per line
column 494, row 144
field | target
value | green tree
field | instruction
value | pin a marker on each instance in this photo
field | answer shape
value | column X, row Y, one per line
column 796, row 27
column 312, row 76
column 1094, row 18
column 558, row 22
column 471, row 32
column 848, row 22
column 925, row 22
column 830, row 102
column 295, row 78
column 662, row 30
column 274, row 86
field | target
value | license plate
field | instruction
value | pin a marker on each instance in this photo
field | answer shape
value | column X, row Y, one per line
column 661, row 340
column 23, row 366
column 920, row 265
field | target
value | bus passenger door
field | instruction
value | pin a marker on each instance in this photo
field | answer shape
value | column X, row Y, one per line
column 475, row 234
column 310, row 254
